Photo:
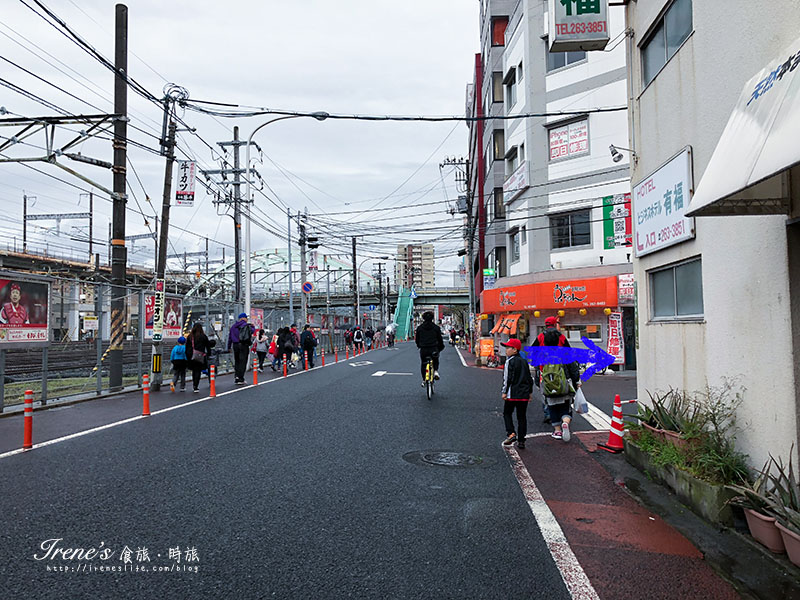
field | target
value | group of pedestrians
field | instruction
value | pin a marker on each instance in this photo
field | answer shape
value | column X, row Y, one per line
column 190, row 353
column 557, row 382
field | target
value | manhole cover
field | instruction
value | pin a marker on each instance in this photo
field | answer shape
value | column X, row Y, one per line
column 443, row 458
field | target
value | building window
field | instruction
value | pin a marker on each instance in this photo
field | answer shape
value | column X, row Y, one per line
column 512, row 161
column 497, row 86
column 511, row 88
column 570, row 229
column 670, row 32
column 524, row 235
column 570, row 140
column 499, row 205
column 499, row 25
column 499, row 139
column 514, row 247
column 519, row 72
column 490, row 210
column 557, row 60
column 500, row 261
column 677, row 291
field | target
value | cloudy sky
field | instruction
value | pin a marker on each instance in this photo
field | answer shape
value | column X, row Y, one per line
column 346, row 57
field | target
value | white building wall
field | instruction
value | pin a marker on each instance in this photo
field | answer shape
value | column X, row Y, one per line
column 746, row 330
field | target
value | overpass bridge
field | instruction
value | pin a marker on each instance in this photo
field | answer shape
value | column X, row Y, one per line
column 426, row 297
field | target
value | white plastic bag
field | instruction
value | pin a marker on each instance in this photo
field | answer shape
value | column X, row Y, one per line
column 581, row 405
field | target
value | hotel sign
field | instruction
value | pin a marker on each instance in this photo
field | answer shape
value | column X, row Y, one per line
column 578, row 25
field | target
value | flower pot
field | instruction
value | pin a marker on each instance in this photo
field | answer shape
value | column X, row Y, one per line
column 764, row 530
column 792, row 542
column 657, row 433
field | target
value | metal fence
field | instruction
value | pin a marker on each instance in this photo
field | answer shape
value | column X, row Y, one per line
column 75, row 363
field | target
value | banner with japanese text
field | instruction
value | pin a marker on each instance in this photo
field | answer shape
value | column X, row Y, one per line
column 184, row 193
column 578, row 25
column 616, row 343
column 171, row 320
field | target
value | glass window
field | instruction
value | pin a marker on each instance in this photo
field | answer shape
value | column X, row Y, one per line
column 671, row 31
column 556, row 60
column 497, row 86
column 574, row 333
column 511, row 88
column 678, row 291
column 499, row 205
column 524, row 233
column 499, row 140
column 514, row 247
column 570, row 229
column 519, row 72
column 499, row 25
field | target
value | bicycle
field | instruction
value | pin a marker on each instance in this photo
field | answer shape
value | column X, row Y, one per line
column 429, row 379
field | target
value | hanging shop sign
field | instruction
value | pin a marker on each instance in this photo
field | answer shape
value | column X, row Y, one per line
column 184, row 194
column 24, row 312
column 626, row 291
column 578, row 25
column 616, row 343
column 617, row 230
column 572, row 293
column 516, row 183
column 313, row 264
column 660, row 202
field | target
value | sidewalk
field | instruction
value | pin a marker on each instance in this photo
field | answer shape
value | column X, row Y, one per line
column 628, row 551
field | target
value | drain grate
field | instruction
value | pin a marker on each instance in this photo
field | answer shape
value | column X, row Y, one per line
column 444, row 458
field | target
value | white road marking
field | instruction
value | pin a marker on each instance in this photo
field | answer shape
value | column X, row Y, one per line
column 597, row 418
column 463, row 362
column 361, row 363
column 578, row 584
column 379, row 373
column 156, row 412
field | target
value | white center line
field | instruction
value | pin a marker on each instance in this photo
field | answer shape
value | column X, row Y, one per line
column 463, row 362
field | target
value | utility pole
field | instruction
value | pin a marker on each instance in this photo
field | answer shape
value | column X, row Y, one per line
column 161, row 262
column 91, row 222
column 119, row 254
column 289, row 261
column 237, row 216
column 355, row 283
column 303, row 268
column 380, row 290
column 24, row 224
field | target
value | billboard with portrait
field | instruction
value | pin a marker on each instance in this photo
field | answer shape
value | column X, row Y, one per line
column 24, row 312
column 173, row 317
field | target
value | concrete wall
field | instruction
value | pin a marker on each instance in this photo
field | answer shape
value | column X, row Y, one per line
column 747, row 325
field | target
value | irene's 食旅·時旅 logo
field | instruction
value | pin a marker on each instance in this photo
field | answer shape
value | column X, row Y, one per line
column 58, row 556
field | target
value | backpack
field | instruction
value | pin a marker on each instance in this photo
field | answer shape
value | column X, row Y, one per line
column 358, row 336
column 245, row 335
column 554, row 381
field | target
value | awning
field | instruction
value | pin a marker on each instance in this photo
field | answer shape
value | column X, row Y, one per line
column 747, row 174
column 507, row 325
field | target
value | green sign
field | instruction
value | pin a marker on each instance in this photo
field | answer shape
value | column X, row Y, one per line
column 617, row 221
column 488, row 272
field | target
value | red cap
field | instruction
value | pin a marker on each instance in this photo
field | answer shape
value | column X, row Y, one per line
column 550, row 321
column 15, row 286
column 512, row 343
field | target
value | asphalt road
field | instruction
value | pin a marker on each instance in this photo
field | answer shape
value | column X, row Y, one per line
column 306, row 487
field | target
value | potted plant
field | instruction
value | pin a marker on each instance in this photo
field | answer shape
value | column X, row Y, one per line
column 754, row 499
column 785, row 502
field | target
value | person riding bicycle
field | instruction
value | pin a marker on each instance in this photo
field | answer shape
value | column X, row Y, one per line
column 430, row 343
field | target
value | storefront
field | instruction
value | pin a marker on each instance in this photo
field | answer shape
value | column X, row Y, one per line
column 599, row 309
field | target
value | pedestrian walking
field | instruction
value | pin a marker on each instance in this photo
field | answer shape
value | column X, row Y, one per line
column 369, row 334
column 348, row 338
column 273, row 350
column 296, row 348
column 516, row 393
column 179, row 363
column 285, row 346
column 198, row 347
column 308, row 342
column 358, row 339
column 558, row 382
column 240, row 338
column 262, row 346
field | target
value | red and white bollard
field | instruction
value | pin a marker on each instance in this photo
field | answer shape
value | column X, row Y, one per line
column 323, row 357
column 27, row 440
column 212, row 375
column 146, row 395
column 255, row 371
column 285, row 360
column 346, row 353
column 305, row 358
column 336, row 355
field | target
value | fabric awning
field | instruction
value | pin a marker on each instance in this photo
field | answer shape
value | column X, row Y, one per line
column 507, row 325
column 747, row 174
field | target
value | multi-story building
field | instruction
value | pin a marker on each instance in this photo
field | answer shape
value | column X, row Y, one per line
column 714, row 98
column 558, row 226
column 414, row 266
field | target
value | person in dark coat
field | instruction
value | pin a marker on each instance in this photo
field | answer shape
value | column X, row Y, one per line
column 198, row 347
column 308, row 342
column 517, row 389
column 558, row 408
column 285, row 346
column 430, row 343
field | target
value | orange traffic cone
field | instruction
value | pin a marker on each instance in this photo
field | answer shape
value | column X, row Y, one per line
column 615, row 444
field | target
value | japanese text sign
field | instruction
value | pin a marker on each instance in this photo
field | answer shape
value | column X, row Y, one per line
column 660, row 203
column 184, row 195
column 578, row 25
column 24, row 313
column 569, row 140
column 616, row 344
column 166, row 310
column 617, row 230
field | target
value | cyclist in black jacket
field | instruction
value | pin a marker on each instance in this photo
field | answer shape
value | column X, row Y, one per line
column 430, row 343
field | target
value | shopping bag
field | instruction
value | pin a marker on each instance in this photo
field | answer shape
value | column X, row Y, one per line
column 581, row 405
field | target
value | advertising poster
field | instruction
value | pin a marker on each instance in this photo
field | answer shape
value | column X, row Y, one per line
column 173, row 314
column 617, row 229
column 24, row 312
column 616, row 345
column 184, row 194
column 625, row 295
column 257, row 318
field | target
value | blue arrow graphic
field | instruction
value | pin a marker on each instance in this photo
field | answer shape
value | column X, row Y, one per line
column 598, row 358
